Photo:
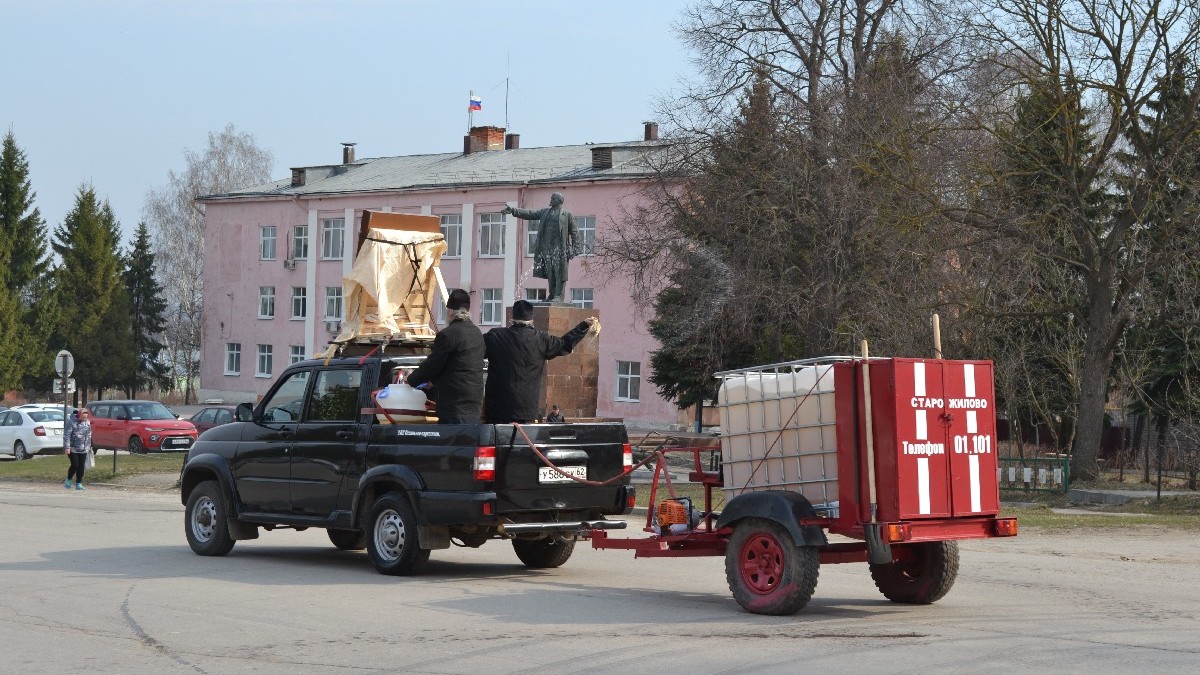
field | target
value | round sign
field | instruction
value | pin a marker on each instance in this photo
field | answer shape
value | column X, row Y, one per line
column 64, row 363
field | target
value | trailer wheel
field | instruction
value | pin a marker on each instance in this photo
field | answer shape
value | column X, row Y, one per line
column 766, row 571
column 922, row 575
column 392, row 537
column 544, row 553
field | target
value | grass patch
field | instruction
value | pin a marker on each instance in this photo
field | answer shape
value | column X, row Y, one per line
column 1043, row 517
column 53, row 468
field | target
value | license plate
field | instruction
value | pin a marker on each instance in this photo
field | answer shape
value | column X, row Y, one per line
column 548, row 475
column 56, row 432
column 180, row 441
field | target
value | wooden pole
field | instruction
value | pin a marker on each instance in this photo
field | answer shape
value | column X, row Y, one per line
column 937, row 336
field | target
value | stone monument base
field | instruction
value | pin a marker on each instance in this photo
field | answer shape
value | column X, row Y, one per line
column 571, row 380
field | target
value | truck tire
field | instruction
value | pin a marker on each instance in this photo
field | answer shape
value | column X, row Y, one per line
column 923, row 576
column 766, row 571
column 391, row 536
column 545, row 553
column 347, row 540
column 204, row 520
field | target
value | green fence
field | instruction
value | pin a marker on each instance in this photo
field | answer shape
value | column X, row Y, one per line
column 1035, row 474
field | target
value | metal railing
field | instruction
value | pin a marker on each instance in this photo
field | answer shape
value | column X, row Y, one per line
column 1035, row 474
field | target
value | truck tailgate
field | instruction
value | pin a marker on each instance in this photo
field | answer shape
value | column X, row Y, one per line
column 594, row 452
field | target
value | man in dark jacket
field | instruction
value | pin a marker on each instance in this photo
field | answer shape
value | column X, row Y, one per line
column 517, row 357
column 455, row 365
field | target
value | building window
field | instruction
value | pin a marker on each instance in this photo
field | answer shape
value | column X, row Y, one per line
column 439, row 310
column 531, row 234
column 585, row 231
column 629, row 380
column 536, row 294
column 299, row 302
column 300, row 242
column 233, row 358
column 266, row 248
column 491, row 234
column 333, row 232
column 333, row 302
column 295, row 354
column 452, row 230
column 265, row 356
column 582, row 297
column 493, row 308
column 266, row 302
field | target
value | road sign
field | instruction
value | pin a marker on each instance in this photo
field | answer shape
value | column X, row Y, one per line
column 58, row 385
column 64, row 363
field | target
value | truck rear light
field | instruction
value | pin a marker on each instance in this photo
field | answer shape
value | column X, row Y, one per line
column 487, row 508
column 897, row 532
column 627, row 458
column 485, row 463
column 39, row 431
column 630, row 499
column 1006, row 527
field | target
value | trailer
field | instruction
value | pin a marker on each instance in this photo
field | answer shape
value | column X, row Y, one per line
column 895, row 455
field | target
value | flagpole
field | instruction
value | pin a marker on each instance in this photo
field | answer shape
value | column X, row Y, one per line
column 470, row 112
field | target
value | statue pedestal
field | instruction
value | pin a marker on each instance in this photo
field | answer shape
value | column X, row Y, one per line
column 571, row 380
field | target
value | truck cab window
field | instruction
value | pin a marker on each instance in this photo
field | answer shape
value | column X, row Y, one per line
column 335, row 396
column 288, row 400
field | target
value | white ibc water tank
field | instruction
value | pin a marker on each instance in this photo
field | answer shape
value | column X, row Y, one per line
column 409, row 403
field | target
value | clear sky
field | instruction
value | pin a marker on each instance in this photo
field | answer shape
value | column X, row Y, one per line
column 111, row 92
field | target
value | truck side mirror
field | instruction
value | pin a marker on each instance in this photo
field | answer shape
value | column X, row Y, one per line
column 244, row 413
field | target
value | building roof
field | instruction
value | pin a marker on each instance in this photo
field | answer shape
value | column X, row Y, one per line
column 558, row 164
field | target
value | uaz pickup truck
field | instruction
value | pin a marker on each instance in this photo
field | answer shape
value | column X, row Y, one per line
column 313, row 453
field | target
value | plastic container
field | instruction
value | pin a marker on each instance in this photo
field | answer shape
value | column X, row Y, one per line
column 403, row 403
column 779, row 430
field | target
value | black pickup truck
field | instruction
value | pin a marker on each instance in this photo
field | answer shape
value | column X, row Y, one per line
column 312, row 453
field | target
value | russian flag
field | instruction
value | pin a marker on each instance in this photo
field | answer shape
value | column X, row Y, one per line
column 476, row 103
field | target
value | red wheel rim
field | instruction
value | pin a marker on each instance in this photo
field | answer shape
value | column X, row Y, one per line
column 761, row 563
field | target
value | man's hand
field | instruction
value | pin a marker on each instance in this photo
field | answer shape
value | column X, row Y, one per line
column 506, row 210
column 590, row 320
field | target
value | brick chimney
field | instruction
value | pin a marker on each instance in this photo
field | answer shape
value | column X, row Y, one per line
column 348, row 153
column 512, row 141
column 651, row 131
column 482, row 139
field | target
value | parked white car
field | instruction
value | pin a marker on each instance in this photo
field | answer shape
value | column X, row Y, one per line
column 26, row 432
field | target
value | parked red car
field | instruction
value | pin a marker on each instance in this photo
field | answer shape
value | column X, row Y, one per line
column 139, row 426
column 212, row 416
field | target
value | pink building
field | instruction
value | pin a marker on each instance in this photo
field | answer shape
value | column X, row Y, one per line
column 275, row 254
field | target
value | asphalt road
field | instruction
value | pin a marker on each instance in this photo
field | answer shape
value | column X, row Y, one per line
column 103, row 582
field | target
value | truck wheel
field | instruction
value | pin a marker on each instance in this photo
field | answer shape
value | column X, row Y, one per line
column 347, row 540
column 544, row 553
column 204, row 521
column 135, row 445
column 923, row 574
column 392, row 537
column 766, row 571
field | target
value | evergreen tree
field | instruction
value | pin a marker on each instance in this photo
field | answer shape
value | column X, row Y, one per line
column 22, row 230
column 147, row 311
column 94, row 319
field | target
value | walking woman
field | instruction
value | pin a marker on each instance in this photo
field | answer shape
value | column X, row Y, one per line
column 80, row 441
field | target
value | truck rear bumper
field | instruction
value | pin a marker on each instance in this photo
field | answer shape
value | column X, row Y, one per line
column 568, row 526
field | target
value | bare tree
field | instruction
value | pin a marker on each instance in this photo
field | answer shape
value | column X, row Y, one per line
column 1121, row 84
column 232, row 160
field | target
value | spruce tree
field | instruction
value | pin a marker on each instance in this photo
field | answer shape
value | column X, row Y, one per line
column 22, row 230
column 147, row 311
column 88, row 283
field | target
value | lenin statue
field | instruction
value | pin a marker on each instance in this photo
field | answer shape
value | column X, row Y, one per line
column 557, row 243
